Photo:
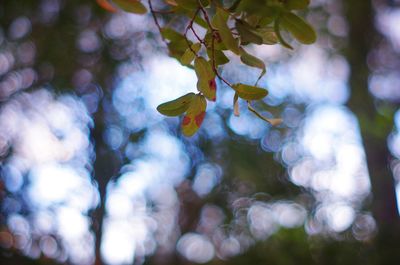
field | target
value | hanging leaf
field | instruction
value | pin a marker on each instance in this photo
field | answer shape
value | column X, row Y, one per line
column 177, row 106
column 251, row 60
column 247, row 33
column 203, row 68
column 219, row 57
column 189, row 56
column 194, row 116
column 268, row 35
column 298, row 27
column 253, row 20
column 218, row 44
column 177, row 48
column 208, row 88
column 296, row 4
column 172, row 35
column 131, row 6
column 268, row 16
column 236, row 105
column 220, row 22
column 279, row 36
column 206, row 78
column 248, row 92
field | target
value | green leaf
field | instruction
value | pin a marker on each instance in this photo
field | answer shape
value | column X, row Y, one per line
column 188, row 4
column 253, row 20
column 218, row 44
column 131, row 6
column 296, row 4
column 219, row 57
column 203, row 68
column 220, row 22
column 194, row 116
column 176, row 107
column 277, row 31
column 268, row 35
column 248, row 92
column 189, row 56
column 298, row 27
column 204, row 3
column 177, row 48
column 171, row 34
column 251, row 60
column 247, row 33
column 259, row 7
column 206, row 83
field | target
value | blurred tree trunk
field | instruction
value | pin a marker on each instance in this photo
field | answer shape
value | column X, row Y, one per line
column 106, row 166
column 362, row 38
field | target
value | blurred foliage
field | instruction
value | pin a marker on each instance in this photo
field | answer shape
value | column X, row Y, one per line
column 67, row 47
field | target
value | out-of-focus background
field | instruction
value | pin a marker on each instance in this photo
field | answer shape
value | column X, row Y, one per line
column 92, row 174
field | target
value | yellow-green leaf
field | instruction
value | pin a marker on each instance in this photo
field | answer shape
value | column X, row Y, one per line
column 277, row 31
column 296, row 4
column 171, row 34
column 189, row 56
column 177, row 48
column 208, row 88
column 176, row 107
column 247, row 33
column 248, row 92
column 251, row 60
column 203, row 68
column 219, row 57
column 218, row 44
column 187, row 4
column 220, row 22
column 298, row 27
column 205, row 3
column 132, row 6
column 194, row 116
column 206, row 77
column 268, row 35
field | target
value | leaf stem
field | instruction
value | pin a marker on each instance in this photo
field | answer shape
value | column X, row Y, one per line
column 273, row 122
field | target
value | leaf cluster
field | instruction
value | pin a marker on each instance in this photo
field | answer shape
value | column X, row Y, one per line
column 229, row 28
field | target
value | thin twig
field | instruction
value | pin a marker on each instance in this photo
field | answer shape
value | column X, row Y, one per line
column 197, row 36
column 153, row 13
column 190, row 26
column 163, row 11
